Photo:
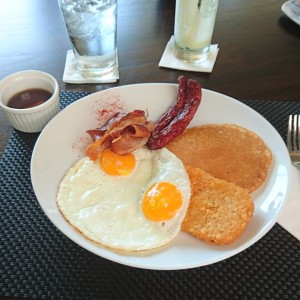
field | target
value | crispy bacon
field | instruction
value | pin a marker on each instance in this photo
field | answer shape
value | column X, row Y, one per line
column 97, row 133
column 134, row 117
column 122, row 136
column 140, row 130
column 133, row 137
column 126, row 144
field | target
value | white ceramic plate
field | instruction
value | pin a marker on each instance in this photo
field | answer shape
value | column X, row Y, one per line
column 63, row 141
column 292, row 10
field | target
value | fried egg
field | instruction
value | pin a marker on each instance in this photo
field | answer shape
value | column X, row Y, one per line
column 131, row 203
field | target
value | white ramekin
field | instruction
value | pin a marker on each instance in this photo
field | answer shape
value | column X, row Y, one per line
column 35, row 118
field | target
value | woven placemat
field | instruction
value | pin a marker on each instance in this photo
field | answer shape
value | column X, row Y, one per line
column 39, row 262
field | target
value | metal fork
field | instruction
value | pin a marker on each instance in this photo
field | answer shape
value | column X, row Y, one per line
column 293, row 139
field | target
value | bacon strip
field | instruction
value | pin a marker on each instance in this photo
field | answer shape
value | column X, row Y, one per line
column 133, row 137
column 140, row 130
column 133, row 117
column 130, row 132
column 97, row 133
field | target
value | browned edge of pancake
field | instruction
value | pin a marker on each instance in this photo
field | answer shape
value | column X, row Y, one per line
column 227, row 151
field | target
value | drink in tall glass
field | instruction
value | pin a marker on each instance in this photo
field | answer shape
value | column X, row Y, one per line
column 92, row 29
column 194, row 25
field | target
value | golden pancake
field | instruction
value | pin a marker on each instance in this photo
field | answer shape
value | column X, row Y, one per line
column 219, row 211
column 227, row 151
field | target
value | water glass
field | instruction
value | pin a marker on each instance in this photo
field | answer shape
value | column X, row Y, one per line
column 92, row 29
column 193, row 29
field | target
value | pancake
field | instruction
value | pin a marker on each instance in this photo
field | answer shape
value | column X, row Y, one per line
column 219, row 211
column 227, row 151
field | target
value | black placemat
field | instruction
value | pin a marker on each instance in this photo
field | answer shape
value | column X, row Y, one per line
column 39, row 262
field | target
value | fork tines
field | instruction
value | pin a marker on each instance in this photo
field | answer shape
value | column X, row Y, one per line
column 293, row 134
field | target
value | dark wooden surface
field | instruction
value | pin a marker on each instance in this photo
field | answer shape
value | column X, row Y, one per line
column 259, row 54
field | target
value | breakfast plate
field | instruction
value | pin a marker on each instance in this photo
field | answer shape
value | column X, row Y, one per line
column 64, row 139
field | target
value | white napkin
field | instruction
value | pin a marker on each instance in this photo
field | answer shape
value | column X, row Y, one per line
column 289, row 217
column 71, row 74
column 168, row 60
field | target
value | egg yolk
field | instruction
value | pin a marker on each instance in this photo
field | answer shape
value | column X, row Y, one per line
column 161, row 201
column 117, row 165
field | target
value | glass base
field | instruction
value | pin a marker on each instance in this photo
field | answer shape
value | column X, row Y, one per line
column 191, row 56
column 94, row 67
column 96, row 73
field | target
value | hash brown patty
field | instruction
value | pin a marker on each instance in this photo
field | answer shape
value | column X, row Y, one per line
column 219, row 211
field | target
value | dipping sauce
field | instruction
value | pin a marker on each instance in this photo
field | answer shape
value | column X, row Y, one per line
column 29, row 98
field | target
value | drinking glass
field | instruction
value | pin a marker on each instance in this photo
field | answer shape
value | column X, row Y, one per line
column 193, row 29
column 92, row 29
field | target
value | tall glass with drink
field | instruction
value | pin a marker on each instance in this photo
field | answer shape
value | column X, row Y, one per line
column 193, row 29
column 92, row 29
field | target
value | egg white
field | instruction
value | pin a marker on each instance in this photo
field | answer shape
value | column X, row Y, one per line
column 107, row 209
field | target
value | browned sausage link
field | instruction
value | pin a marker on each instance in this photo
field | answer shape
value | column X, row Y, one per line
column 193, row 90
column 178, row 125
column 173, row 110
column 174, row 128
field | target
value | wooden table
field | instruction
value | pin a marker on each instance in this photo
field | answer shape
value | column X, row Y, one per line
column 258, row 59
column 259, row 54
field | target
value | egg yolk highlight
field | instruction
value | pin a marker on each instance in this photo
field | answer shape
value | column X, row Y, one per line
column 161, row 201
column 117, row 165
